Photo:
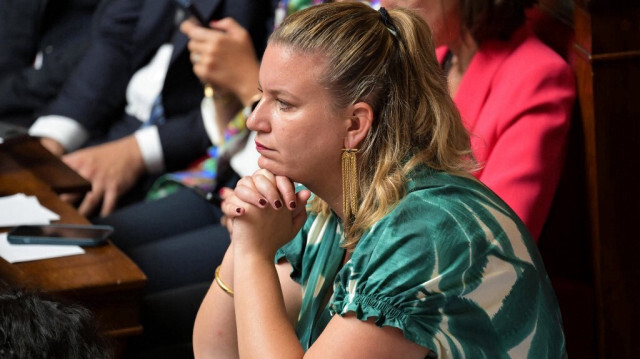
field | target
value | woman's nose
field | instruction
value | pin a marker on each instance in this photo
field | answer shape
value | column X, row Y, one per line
column 257, row 120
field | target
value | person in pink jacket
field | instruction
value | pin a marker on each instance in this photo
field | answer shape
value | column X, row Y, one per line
column 515, row 96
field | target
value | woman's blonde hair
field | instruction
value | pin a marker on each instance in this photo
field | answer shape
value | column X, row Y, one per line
column 388, row 61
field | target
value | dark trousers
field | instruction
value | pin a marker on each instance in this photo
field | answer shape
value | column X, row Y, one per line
column 177, row 242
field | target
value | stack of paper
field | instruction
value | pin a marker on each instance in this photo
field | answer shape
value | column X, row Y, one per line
column 20, row 209
column 14, row 253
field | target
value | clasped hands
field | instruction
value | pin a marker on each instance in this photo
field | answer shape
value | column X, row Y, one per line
column 263, row 213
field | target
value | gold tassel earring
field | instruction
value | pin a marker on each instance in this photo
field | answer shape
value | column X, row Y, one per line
column 349, row 183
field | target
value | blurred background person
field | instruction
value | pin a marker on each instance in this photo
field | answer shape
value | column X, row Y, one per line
column 515, row 95
column 130, row 111
column 41, row 42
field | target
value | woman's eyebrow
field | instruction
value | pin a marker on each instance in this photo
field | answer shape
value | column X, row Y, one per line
column 278, row 91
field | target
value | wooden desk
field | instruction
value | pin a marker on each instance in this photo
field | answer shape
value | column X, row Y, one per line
column 104, row 279
column 29, row 154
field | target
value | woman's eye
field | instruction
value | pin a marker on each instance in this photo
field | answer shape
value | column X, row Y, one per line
column 283, row 105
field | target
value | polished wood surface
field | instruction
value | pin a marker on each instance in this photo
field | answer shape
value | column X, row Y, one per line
column 565, row 242
column 29, row 153
column 590, row 243
column 608, row 42
column 104, row 278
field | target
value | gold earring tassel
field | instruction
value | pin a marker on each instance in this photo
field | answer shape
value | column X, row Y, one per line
column 349, row 183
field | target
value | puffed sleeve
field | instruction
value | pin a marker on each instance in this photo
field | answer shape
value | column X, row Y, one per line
column 446, row 272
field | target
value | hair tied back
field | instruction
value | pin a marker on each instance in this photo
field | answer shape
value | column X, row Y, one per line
column 386, row 20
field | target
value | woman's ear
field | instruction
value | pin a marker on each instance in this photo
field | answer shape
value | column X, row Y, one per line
column 360, row 120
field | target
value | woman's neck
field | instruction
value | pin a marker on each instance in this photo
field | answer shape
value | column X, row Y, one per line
column 330, row 191
column 335, row 204
column 462, row 51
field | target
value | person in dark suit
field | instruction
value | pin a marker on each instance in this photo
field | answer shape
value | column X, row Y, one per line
column 41, row 43
column 107, row 107
column 131, row 110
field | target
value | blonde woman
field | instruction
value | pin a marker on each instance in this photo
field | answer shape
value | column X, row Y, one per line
column 400, row 253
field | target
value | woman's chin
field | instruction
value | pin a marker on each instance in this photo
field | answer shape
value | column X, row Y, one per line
column 270, row 166
column 264, row 163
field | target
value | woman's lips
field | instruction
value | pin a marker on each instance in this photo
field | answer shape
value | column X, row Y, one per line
column 261, row 147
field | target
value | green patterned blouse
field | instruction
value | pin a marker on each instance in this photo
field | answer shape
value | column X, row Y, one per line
column 451, row 266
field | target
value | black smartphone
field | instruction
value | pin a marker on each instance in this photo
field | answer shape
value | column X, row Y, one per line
column 192, row 10
column 69, row 234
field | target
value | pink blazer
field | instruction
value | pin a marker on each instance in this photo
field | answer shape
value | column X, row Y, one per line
column 516, row 99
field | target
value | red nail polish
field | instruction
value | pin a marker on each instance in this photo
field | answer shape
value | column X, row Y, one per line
column 238, row 210
column 292, row 204
column 277, row 203
column 262, row 201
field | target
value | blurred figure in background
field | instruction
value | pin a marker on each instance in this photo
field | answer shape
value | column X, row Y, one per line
column 41, row 42
column 515, row 95
column 131, row 109
column 130, row 112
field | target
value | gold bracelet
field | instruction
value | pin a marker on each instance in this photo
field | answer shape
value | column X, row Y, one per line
column 221, row 284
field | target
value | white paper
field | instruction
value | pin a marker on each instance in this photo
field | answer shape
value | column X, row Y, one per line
column 14, row 253
column 19, row 209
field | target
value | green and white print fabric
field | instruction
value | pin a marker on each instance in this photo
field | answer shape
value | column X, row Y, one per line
column 451, row 266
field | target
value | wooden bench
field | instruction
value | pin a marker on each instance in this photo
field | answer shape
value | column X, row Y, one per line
column 590, row 243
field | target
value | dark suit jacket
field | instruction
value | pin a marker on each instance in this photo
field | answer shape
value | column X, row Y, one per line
column 60, row 31
column 130, row 33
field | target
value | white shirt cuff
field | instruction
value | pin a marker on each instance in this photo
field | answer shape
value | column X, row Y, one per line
column 69, row 133
column 245, row 161
column 151, row 149
column 209, row 118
